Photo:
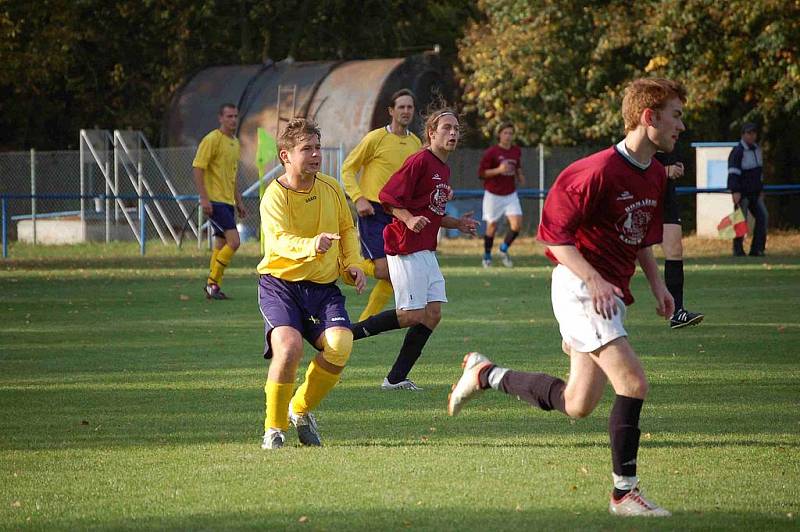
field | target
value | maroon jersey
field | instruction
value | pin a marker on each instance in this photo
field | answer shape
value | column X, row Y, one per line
column 422, row 187
column 503, row 184
column 608, row 209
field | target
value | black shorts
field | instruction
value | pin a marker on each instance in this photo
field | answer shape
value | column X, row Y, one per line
column 672, row 211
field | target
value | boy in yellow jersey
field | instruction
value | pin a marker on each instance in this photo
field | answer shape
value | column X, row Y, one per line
column 214, row 170
column 379, row 155
column 309, row 239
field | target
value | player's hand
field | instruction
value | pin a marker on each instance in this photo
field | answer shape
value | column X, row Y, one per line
column 417, row 223
column 664, row 301
column 603, row 293
column 360, row 280
column 241, row 210
column 506, row 168
column 521, row 180
column 364, row 207
column 324, row 241
column 208, row 209
column 675, row 171
column 467, row 224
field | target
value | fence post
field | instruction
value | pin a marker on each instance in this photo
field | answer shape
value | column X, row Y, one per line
column 83, row 186
column 5, row 229
column 33, row 193
column 541, row 180
column 142, row 214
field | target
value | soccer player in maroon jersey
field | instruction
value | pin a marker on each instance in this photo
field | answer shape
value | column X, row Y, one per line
column 500, row 169
column 602, row 215
column 416, row 196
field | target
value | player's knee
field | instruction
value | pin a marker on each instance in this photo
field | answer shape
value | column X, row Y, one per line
column 433, row 315
column 233, row 242
column 409, row 318
column 579, row 407
column 287, row 350
column 337, row 344
column 638, row 388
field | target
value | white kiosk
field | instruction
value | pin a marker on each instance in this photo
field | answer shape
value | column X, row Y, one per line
column 711, row 160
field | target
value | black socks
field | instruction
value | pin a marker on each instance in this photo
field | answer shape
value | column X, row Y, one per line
column 385, row 321
column 673, row 278
column 415, row 340
column 538, row 389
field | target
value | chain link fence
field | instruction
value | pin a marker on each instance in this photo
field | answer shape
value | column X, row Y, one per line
column 42, row 190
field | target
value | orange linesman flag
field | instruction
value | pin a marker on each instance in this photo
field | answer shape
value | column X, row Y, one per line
column 733, row 225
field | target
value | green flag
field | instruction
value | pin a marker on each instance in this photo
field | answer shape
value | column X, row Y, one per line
column 266, row 151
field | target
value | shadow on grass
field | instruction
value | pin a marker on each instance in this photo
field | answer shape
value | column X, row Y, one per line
column 436, row 517
column 85, row 417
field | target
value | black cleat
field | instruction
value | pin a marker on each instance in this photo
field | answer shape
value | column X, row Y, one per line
column 213, row 291
column 684, row 318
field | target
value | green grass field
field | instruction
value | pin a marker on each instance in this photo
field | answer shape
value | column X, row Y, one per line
column 130, row 402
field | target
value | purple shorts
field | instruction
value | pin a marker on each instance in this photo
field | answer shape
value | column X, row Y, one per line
column 370, row 229
column 222, row 218
column 303, row 305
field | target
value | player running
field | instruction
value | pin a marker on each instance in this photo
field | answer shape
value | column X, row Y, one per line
column 602, row 215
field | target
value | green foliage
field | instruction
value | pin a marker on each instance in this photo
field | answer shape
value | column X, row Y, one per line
column 130, row 402
column 71, row 64
column 558, row 68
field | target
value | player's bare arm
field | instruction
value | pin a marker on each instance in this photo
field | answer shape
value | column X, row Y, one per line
column 415, row 223
column 240, row 209
column 466, row 223
column 364, row 207
column 601, row 290
column 199, row 182
column 665, row 304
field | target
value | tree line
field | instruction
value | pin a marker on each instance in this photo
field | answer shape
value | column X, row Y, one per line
column 553, row 67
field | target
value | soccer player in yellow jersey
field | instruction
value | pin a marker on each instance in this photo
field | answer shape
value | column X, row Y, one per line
column 214, row 169
column 379, row 155
column 309, row 240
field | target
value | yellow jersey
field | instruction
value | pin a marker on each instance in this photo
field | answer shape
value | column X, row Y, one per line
column 218, row 156
column 379, row 155
column 291, row 220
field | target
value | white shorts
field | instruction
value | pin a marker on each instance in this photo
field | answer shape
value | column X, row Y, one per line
column 416, row 280
column 581, row 327
column 495, row 206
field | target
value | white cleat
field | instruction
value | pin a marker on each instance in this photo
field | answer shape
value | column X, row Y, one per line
column 273, row 439
column 405, row 384
column 487, row 263
column 507, row 262
column 634, row 503
column 468, row 385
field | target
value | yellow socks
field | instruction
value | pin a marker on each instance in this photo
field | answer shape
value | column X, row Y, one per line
column 380, row 294
column 278, row 396
column 211, row 265
column 316, row 386
column 219, row 261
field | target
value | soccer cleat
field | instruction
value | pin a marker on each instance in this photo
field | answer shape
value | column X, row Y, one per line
column 404, row 384
column 273, row 439
column 634, row 503
column 468, row 385
column 684, row 318
column 306, row 426
column 487, row 263
column 756, row 253
column 507, row 262
column 213, row 291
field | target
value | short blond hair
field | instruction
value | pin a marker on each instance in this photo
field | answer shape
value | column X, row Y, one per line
column 648, row 93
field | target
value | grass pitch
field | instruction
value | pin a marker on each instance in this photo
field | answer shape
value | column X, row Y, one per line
column 127, row 401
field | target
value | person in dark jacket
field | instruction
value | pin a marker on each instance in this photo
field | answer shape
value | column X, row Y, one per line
column 745, row 173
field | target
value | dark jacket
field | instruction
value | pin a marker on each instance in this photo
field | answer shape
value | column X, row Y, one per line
column 745, row 169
